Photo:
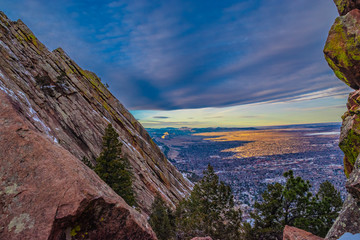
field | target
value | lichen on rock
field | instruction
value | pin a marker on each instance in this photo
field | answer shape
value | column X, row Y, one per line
column 345, row 6
column 342, row 48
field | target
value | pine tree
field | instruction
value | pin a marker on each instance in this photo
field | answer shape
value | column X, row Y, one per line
column 114, row 169
column 293, row 204
column 324, row 210
column 209, row 211
column 281, row 205
column 162, row 219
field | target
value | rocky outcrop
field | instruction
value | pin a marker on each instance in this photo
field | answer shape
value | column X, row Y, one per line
column 349, row 217
column 47, row 193
column 342, row 48
column 293, row 233
column 342, row 52
column 72, row 108
column 345, row 6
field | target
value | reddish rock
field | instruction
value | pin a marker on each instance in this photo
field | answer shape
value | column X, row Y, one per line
column 73, row 107
column 342, row 48
column 349, row 141
column 47, row 193
column 293, row 233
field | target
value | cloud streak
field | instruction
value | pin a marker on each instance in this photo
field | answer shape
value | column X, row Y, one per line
column 174, row 54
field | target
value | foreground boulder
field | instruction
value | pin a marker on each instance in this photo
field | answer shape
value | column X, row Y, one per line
column 47, row 193
column 293, row 233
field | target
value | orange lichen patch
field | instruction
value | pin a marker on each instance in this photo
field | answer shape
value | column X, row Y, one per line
column 262, row 142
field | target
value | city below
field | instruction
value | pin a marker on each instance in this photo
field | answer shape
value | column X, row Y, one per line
column 250, row 158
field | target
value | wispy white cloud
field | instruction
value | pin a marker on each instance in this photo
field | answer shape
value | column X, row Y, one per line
column 193, row 54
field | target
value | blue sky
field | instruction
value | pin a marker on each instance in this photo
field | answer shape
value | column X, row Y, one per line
column 181, row 63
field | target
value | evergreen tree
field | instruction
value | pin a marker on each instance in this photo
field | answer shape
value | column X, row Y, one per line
column 114, row 169
column 281, row 205
column 293, row 204
column 209, row 211
column 162, row 219
column 324, row 210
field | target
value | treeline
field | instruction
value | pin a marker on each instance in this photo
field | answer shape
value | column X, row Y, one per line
column 210, row 211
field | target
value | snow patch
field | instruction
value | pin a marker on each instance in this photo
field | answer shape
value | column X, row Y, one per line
column 106, row 119
column 31, row 112
column 8, row 50
column 130, row 147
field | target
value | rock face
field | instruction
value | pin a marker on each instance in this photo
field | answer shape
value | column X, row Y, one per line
column 72, row 108
column 345, row 6
column 349, row 217
column 293, row 233
column 342, row 52
column 47, row 193
column 342, row 48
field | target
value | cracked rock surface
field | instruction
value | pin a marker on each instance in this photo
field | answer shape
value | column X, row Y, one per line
column 47, row 193
column 72, row 107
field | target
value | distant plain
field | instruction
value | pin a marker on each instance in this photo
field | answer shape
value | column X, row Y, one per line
column 250, row 158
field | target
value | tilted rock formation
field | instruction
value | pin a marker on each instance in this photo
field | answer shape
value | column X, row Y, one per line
column 47, row 193
column 342, row 52
column 72, row 107
column 293, row 233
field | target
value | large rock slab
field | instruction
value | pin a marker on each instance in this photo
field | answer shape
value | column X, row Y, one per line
column 342, row 48
column 293, row 233
column 47, row 193
column 73, row 107
column 342, row 52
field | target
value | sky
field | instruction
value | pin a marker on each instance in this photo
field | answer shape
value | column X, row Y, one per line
column 211, row 63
